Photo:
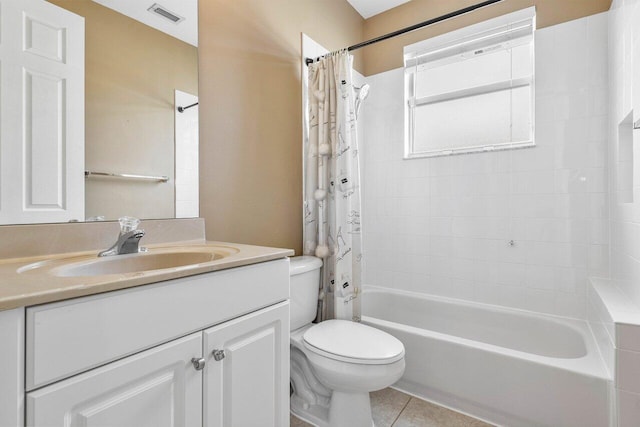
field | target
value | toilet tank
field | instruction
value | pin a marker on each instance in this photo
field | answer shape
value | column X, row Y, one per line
column 305, row 283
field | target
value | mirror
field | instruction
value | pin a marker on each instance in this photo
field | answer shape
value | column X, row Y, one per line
column 135, row 78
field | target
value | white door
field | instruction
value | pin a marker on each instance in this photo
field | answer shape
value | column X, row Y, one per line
column 159, row 387
column 41, row 113
column 249, row 385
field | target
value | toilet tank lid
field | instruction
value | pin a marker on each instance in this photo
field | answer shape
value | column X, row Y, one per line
column 303, row 264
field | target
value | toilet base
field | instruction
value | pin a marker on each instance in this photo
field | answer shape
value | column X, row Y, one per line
column 317, row 415
column 316, row 404
column 350, row 410
column 345, row 410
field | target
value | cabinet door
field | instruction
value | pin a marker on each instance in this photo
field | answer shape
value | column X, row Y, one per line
column 41, row 113
column 249, row 386
column 156, row 388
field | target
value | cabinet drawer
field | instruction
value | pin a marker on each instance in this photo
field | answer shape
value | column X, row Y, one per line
column 73, row 336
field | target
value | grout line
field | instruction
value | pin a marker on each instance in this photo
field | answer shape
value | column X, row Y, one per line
column 401, row 411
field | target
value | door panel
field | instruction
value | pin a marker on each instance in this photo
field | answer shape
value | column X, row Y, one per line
column 41, row 113
column 249, row 386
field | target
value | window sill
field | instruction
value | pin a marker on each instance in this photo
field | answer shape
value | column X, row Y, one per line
column 470, row 150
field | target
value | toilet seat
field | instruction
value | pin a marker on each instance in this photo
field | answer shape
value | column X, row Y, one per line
column 353, row 342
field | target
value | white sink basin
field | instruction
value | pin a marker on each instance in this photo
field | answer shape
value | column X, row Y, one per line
column 155, row 259
column 122, row 264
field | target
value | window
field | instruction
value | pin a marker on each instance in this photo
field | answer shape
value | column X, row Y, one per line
column 472, row 89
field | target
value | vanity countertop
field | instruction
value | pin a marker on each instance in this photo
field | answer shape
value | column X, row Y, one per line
column 20, row 286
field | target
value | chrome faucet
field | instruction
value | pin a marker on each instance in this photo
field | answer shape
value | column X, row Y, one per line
column 128, row 240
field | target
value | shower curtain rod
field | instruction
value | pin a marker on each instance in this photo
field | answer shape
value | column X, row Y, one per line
column 415, row 26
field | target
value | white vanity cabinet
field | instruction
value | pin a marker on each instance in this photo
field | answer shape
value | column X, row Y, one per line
column 211, row 349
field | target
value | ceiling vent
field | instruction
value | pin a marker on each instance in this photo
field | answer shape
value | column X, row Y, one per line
column 165, row 13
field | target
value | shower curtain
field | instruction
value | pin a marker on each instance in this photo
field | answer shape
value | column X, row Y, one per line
column 332, row 186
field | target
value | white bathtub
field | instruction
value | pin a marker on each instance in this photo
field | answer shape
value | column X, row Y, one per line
column 508, row 367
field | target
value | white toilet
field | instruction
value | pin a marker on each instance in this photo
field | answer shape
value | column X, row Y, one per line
column 335, row 363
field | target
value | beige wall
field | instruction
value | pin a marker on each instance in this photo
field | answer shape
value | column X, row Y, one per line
column 132, row 71
column 250, row 112
column 387, row 55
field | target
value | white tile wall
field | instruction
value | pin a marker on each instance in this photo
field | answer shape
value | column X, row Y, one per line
column 624, row 76
column 628, row 370
column 615, row 322
column 628, row 337
column 443, row 225
column 624, row 60
column 629, row 403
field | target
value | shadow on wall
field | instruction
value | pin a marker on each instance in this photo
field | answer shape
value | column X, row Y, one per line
column 251, row 100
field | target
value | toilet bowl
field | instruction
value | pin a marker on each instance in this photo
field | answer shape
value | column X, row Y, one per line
column 335, row 363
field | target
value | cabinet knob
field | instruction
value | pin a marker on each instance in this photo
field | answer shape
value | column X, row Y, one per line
column 198, row 363
column 218, row 355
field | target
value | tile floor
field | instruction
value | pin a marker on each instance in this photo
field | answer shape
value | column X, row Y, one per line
column 392, row 408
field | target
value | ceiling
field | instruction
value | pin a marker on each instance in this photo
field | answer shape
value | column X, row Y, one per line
column 368, row 8
column 186, row 30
